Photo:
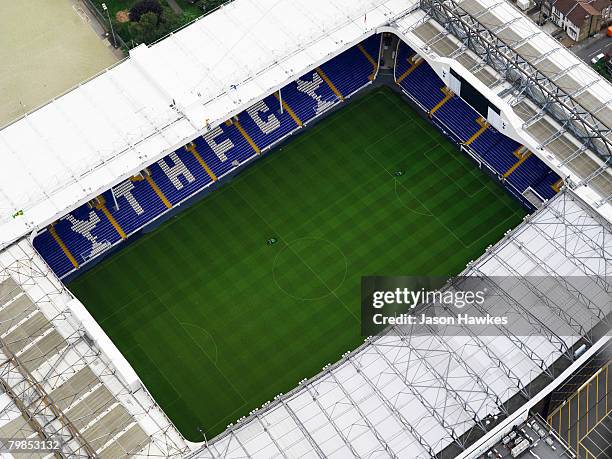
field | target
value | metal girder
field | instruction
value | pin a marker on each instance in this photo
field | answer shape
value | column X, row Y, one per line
column 443, row 381
column 270, row 436
column 562, row 282
column 315, row 397
column 34, row 402
column 586, row 126
column 571, row 230
column 510, row 374
column 433, row 412
column 466, row 367
column 560, row 311
column 394, row 411
column 517, row 341
column 365, row 419
column 542, row 328
column 303, row 429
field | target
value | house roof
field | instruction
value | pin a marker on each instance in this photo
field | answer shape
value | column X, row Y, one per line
column 576, row 10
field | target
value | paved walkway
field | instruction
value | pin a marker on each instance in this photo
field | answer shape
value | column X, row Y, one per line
column 175, row 6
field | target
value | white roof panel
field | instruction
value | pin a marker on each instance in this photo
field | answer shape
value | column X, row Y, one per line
column 411, row 395
column 114, row 125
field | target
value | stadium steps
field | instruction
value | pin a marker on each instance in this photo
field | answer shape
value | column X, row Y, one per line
column 370, row 59
column 529, row 173
column 459, row 117
column 156, row 190
column 213, row 148
column 288, row 109
column 276, row 125
column 191, row 148
column 138, row 203
column 100, row 204
column 179, row 175
column 402, row 63
column 329, row 83
column 448, row 94
column 309, row 96
column 372, row 45
column 52, row 253
column 425, row 86
column 413, row 66
column 522, row 157
column 247, row 137
column 483, row 126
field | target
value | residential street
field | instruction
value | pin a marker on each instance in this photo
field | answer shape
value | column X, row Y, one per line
column 591, row 47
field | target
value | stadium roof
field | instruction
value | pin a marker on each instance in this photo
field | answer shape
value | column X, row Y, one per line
column 410, row 395
column 114, row 125
column 559, row 107
column 61, row 377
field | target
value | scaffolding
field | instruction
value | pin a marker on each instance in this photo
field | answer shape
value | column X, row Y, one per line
column 404, row 394
column 60, row 385
column 560, row 103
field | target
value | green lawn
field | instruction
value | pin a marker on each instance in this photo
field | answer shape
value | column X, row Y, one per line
column 216, row 322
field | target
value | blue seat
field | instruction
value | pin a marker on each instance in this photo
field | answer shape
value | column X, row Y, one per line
column 138, row 204
column 264, row 122
column 458, row 116
column 191, row 176
column 309, row 96
column 225, row 159
column 349, row 71
column 59, row 263
column 87, row 233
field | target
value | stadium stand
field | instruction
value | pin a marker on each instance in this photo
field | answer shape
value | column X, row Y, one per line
column 127, row 109
column 518, row 171
column 56, row 384
column 352, row 69
column 309, row 96
column 93, row 228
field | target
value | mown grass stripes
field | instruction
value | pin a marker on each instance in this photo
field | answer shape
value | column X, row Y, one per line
column 210, row 316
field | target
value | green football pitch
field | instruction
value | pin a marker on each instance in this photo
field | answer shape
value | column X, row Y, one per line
column 216, row 321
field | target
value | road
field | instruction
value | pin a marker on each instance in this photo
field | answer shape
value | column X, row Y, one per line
column 591, row 47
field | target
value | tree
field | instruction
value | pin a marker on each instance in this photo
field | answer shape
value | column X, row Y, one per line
column 143, row 7
column 145, row 30
column 152, row 27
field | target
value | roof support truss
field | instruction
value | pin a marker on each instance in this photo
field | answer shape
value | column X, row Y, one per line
column 506, row 60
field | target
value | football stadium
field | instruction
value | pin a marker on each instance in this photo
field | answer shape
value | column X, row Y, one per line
column 183, row 240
